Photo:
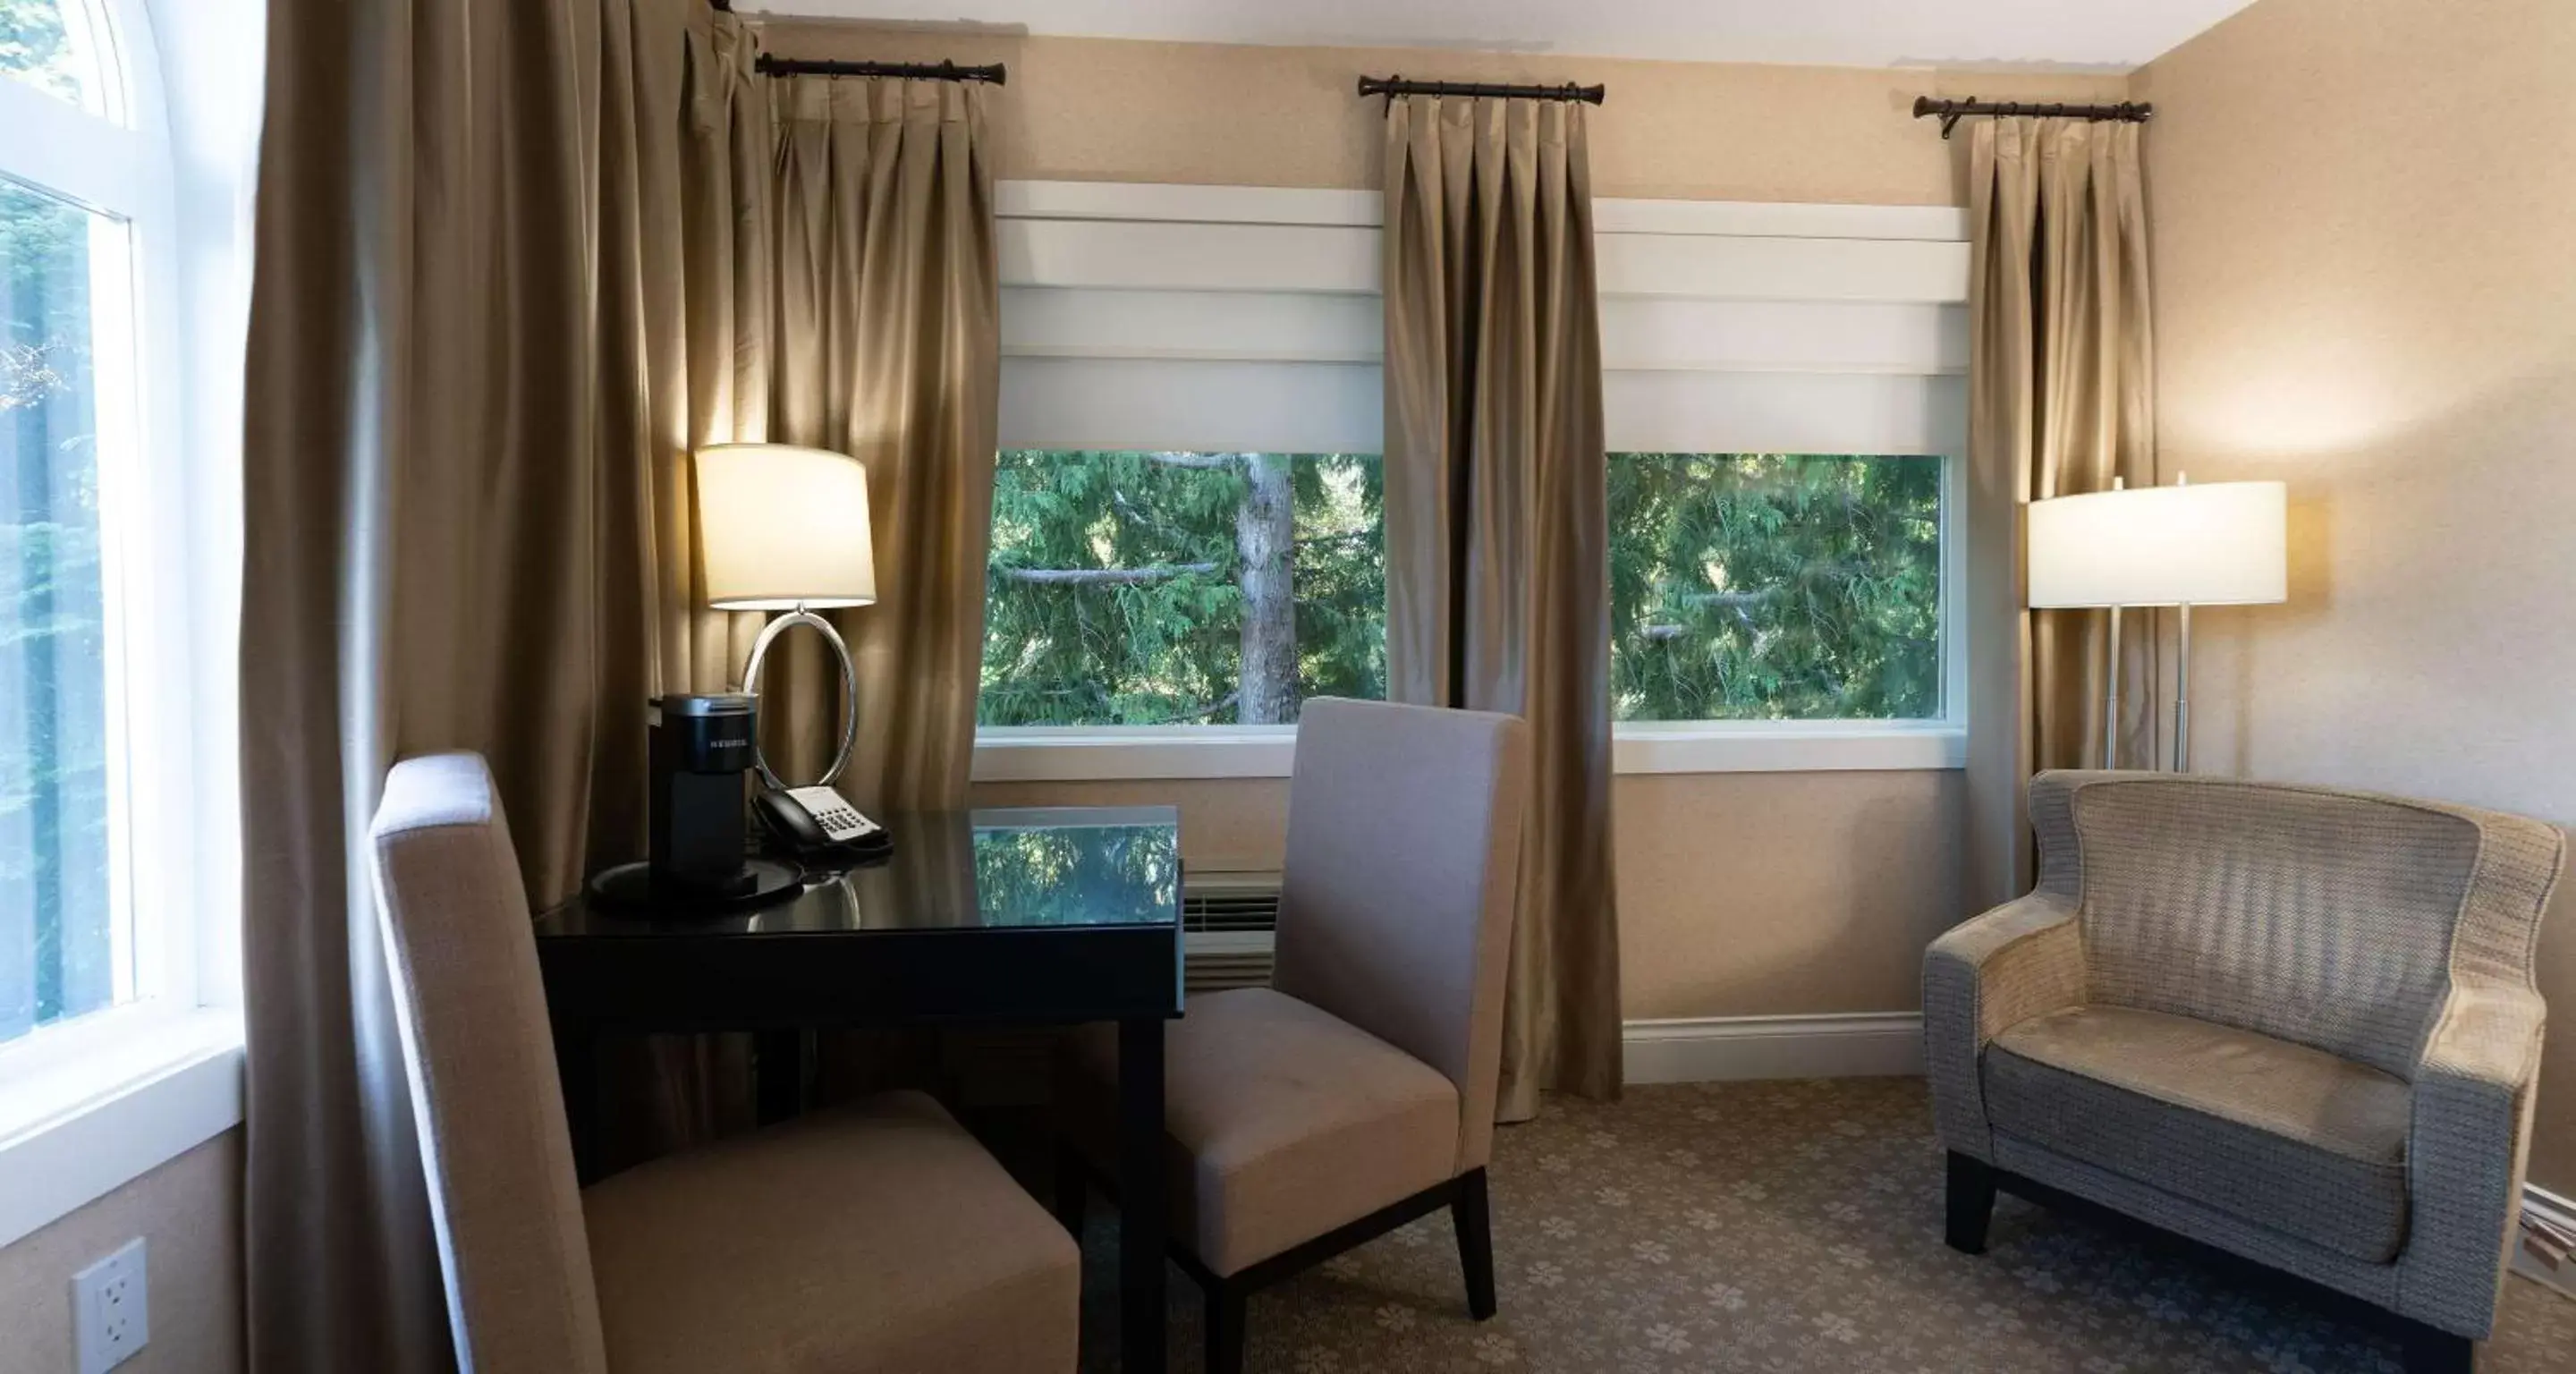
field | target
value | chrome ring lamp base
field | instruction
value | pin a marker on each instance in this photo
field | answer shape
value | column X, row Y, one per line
column 849, row 691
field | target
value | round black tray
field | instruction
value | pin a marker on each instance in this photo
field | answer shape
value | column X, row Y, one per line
column 630, row 888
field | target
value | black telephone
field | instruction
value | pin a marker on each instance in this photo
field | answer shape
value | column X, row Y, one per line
column 818, row 820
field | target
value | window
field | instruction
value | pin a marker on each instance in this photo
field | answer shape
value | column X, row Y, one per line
column 63, row 949
column 1775, row 586
column 120, row 386
column 66, row 420
column 52, row 46
column 1783, row 394
column 1182, row 588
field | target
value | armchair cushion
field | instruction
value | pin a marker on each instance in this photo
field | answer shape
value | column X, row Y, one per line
column 2276, row 1133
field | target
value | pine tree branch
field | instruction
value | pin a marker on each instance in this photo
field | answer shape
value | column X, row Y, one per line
column 1735, row 601
column 1197, row 461
column 1101, row 577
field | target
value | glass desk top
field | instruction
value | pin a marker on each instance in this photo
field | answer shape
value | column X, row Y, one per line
column 984, row 869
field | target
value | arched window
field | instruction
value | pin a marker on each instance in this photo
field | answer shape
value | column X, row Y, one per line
column 86, row 610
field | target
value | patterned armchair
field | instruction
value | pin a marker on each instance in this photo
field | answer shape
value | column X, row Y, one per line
column 2293, row 1023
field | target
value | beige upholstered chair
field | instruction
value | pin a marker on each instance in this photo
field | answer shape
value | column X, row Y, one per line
column 1357, row 1092
column 2293, row 1023
column 879, row 1237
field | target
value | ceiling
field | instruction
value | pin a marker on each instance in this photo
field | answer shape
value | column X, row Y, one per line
column 2104, row 35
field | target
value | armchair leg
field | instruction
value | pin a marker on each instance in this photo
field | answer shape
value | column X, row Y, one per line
column 1972, row 1203
column 2431, row 1350
column 1471, row 1212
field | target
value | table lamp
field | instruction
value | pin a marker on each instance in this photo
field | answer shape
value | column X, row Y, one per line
column 2217, row 544
column 786, row 529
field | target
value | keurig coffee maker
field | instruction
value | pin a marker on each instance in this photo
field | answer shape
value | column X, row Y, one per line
column 698, row 759
column 699, row 756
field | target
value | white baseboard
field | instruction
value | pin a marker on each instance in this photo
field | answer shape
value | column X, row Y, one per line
column 1718, row 1049
column 2560, row 1213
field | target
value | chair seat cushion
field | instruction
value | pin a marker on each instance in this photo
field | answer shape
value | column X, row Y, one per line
column 1284, row 1122
column 877, row 1237
column 2276, row 1133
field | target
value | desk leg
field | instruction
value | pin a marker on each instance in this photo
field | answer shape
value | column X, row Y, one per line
column 1140, row 1195
column 778, row 1075
column 577, row 1064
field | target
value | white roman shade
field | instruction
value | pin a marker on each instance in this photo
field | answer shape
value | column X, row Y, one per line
column 1248, row 319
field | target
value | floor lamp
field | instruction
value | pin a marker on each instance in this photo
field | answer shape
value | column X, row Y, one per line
column 2217, row 544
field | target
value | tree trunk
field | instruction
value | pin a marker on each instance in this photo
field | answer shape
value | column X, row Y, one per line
column 1265, row 538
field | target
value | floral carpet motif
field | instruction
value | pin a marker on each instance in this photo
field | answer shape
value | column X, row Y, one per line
column 1782, row 1227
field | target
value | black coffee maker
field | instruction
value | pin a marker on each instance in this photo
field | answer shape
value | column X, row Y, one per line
column 700, row 752
column 698, row 755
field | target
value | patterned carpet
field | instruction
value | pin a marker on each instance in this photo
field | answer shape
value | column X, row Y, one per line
column 1780, row 1227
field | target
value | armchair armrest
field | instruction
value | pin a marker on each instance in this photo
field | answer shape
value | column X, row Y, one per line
column 2017, row 961
column 2465, row 1151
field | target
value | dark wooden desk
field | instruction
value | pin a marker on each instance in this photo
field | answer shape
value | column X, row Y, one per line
column 1056, row 915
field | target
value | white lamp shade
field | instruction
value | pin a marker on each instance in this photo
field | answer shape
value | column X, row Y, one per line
column 2219, row 544
column 783, row 527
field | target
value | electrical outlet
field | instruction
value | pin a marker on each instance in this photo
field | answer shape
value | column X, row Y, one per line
column 111, row 1309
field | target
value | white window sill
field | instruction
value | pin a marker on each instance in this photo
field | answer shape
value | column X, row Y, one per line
column 1060, row 754
column 82, row 1117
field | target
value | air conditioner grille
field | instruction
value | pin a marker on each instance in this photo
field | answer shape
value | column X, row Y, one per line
column 1228, row 924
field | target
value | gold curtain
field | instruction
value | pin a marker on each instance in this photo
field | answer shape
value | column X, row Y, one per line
column 1497, row 533
column 887, row 348
column 2061, row 401
column 515, row 260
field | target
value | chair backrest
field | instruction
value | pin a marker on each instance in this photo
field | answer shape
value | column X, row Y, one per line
column 2333, row 919
column 489, row 1108
column 1403, row 877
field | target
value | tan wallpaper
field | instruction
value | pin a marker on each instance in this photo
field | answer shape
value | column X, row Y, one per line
column 2366, row 287
column 1740, row 894
column 189, row 1213
column 1089, row 109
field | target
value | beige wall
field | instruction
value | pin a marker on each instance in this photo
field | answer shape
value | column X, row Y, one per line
column 1739, row 894
column 1089, row 109
column 189, row 1213
column 2366, row 287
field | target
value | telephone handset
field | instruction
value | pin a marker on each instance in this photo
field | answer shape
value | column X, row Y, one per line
column 815, row 819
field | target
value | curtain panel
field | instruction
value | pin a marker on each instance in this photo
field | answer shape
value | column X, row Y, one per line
column 1497, row 533
column 516, row 259
column 2061, row 402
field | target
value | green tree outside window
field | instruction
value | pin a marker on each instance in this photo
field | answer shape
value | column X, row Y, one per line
column 1168, row 588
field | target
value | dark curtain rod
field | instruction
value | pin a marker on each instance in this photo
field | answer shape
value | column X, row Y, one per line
column 1396, row 85
column 768, row 65
column 1950, row 112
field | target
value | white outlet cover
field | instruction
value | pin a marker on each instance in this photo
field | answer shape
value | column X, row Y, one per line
column 111, row 1309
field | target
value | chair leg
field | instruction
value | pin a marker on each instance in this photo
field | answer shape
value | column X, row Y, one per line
column 1225, row 1304
column 1072, row 1182
column 1470, row 1210
column 1972, row 1203
column 2431, row 1350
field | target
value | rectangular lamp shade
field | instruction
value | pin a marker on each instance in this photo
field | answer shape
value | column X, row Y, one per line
column 2219, row 544
column 783, row 527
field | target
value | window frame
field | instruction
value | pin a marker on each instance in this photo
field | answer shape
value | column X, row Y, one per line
column 1296, row 261
column 93, row 1101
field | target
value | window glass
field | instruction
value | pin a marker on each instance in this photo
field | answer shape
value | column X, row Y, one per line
column 1774, row 586
column 1182, row 588
column 48, row 45
column 60, row 953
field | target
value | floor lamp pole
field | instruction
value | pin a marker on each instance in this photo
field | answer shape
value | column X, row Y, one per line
column 2182, row 694
column 2111, row 699
column 2111, row 675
